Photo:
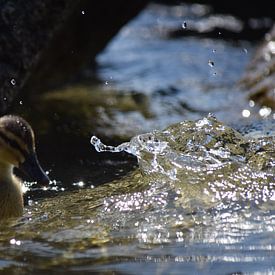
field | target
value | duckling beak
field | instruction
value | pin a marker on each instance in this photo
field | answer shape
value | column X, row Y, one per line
column 32, row 169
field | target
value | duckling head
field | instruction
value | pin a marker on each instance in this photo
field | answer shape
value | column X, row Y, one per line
column 17, row 148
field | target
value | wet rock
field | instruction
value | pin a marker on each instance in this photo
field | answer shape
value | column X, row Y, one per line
column 44, row 43
column 225, row 32
column 259, row 79
column 74, row 112
column 245, row 9
column 220, row 23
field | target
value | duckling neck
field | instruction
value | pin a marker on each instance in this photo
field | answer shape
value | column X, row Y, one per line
column 6, row 172
column 11, row 195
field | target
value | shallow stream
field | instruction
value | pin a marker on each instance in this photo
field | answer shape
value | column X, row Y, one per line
column 180, row 191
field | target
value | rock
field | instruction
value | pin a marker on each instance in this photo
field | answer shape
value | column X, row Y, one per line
column 72, row 113
column 26, row 27
column 245, row 9
column 259, row 78
column 44, row 43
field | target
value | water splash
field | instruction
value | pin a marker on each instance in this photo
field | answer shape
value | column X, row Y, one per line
column 146, row 147
column 146, row 141
column 218, row 160
column 221, row 198
column 100, row 147
column 194, row 173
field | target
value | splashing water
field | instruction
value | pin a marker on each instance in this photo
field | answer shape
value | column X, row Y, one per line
column 199, row 175
column 146, row 143
column 217, row 161
column 202, row 188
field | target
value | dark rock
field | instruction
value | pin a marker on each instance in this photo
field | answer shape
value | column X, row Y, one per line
column 43, row 43
column 26, row 27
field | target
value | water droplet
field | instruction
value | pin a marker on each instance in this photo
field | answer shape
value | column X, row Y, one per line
column 21, row 102
column 15, row 242
column 213, row 51
column 251, row 103
column 79, row 184
column 245, row 50
column 5, row 99
column 30, row 202
column 13, row 82
column 184, row 25
column 83, row 12
column 106, row 82
column 219, row 33
column 211, row 63
column 12, row 241
column 246, row 113
column 265, row 111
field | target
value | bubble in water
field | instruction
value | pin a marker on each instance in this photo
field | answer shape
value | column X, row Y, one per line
column 106, row 82
column 83, row 12
column 21, row 102
column 211, row 63
column 245, row 50
column 13, row 82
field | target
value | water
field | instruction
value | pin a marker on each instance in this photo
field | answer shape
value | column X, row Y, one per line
column 202, row 199
column 197, row 194
column 179, row 76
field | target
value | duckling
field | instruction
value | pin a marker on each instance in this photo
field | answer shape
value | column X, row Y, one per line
column 17, row 149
